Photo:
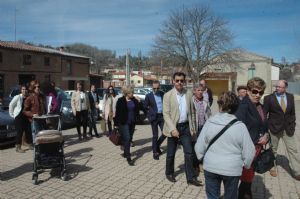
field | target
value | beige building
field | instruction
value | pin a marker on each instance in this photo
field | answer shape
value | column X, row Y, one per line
column 224, row 77
column 137, row 80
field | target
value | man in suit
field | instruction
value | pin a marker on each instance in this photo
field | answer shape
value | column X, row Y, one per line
column 94, row 100
column 207, row 94
column 179, row 116
column 280, row 107
column 154, row 106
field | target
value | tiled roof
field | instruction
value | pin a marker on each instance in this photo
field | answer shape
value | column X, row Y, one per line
column 20, row 46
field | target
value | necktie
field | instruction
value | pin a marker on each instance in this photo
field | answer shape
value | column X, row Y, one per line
column 282, row 103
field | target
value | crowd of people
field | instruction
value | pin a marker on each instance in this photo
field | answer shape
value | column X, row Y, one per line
column 222, row 146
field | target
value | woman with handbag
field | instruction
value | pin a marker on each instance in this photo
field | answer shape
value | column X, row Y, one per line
column 225, row 146
column 127, row 110
column 251, row 113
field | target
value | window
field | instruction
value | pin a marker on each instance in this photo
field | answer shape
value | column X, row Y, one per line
column 46, row 61
column 139, row 81
column 251, row 71
column 69, row 67
column 26, row 59
column 1, row 59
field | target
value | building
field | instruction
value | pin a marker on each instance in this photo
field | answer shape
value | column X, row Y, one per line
column 224, row 77
column 21, row 63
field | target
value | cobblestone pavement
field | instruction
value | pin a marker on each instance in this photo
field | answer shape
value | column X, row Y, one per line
column 97, row 170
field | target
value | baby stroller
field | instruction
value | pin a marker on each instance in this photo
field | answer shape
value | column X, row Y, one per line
column 48, row 147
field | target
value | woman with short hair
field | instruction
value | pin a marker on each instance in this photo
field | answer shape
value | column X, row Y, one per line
column 127, row 110
column 224, row 160
column 251, row 113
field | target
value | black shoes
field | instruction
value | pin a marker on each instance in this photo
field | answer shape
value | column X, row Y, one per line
column 156, row 156
column 130, row 162
column 158, row 151
column 171, row 178
column 195, row 182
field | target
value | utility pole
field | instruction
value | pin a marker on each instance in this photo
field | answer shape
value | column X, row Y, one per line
column 127, row 69
column 15, row 24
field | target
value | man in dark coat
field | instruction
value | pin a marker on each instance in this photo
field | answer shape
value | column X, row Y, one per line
column 207, row 94
column 280, row 107
column 154, row 106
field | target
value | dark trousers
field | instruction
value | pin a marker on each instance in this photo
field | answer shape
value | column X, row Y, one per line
column 109, row 125
column 156, row 142
column 126, row 134
column 186, row 141
column 81, row 120
column 23, row 125
column 92, row 122
column 213, row 185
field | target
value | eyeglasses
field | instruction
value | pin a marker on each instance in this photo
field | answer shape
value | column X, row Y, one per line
column 179, row 80
column 255, row 92
column 37, row 87
column 280, row 86
column 155, row 88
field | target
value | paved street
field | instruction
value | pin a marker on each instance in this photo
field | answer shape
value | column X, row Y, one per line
column 97, row 170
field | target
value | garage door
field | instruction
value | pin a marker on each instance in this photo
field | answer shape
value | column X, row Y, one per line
column 217, row 86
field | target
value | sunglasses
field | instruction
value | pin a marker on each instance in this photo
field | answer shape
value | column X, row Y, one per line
column 37, row 87
column 179, row 80
column 255, row 92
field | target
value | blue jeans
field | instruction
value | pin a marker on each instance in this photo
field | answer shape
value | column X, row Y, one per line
column 186, row 141
column 126, row 134
column 36, row 126
column 213, row 185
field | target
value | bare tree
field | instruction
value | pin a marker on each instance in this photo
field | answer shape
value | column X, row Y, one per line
column 195, row 37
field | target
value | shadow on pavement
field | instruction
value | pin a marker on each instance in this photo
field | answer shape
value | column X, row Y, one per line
column 259, row 185
column 16, row 172
column 140, row 152
column 282, row 161
column 142, row 142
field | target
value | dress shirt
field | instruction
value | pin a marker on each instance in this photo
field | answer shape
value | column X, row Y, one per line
column 158, row 101
column 278, row 97
column 182, row 107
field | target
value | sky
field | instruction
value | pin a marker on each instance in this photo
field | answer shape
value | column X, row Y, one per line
column 269, row 28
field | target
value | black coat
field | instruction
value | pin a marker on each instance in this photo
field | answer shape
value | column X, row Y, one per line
column 210, row 96
column 122, row 111
column 278, row 121
column 150, row 105
column 248, row 114
column 91, row 99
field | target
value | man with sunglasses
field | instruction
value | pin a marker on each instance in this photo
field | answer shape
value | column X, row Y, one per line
column 154, row 106
column 179, row 116
column 251, row 113
column 280, row 108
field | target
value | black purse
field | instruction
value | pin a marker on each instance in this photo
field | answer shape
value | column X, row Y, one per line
column 264, row 161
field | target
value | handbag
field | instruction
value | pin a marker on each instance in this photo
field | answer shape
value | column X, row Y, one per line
column 264, row 161
column 115, row 137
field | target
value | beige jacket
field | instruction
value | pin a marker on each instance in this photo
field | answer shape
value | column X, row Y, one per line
column 171, row 112
column 75, row 102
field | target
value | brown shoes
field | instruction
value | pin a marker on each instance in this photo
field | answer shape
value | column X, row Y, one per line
column 273, row 172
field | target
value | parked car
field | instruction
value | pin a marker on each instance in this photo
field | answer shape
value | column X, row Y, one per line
column 166, row 87
column 8, row 130
column 70, row 92
column 67, row 117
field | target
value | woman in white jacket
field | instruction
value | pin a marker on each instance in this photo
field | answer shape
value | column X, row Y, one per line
column 224, row 160
column 22, row 124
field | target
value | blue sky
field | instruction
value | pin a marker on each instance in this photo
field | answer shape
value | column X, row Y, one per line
column 267, row 27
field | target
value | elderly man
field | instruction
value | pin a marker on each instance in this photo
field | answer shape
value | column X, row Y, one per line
column 242, row 91
column 207, row 94
column 179, row 115
column 280, row 108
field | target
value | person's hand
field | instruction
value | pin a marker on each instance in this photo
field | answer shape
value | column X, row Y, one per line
column 35, row 115
column 264, row 139
column 175, row 133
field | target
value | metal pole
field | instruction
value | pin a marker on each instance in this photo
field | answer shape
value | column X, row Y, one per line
column 127, row 67
column 15, row 24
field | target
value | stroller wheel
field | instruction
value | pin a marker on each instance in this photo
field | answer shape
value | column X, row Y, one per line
column 35, row 179
column 64, row 176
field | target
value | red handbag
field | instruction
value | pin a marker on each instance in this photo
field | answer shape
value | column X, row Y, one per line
column 115, row 137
